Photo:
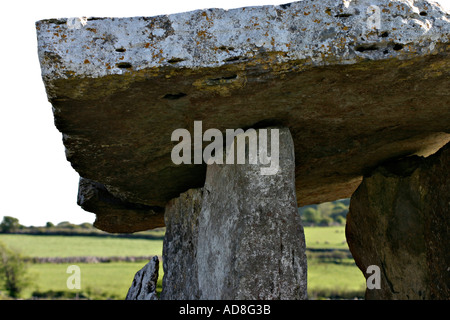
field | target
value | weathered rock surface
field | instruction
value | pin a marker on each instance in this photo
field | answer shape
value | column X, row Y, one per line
column 353, row 92
column 240, row 237
column 144, row 282
column 180, row 281
column 399, row 220
column 94, row 197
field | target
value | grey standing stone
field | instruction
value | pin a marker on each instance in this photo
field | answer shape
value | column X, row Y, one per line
column 399, row 220
column 180, row 279
column 251, row 243
column 144, row 282
column 242, row 240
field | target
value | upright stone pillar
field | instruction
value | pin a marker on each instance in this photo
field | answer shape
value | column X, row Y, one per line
column 144, row 283
column 244, row 241
column 180, row 281
column 399, row 221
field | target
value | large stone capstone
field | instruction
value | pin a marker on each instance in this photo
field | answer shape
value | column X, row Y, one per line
column 238, row 237
column 356, row 82
column 399, row 221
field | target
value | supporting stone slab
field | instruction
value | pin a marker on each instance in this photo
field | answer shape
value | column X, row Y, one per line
column 144, row 282
column 239, row 237
column 399, row 221
column 180, row 279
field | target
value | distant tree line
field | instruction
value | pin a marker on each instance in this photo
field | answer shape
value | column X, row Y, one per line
column 325, row 214
column 12, row 225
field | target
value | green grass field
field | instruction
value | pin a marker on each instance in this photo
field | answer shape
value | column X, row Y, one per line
column 336, row 278
column 341, row 280
column 98, row 280
column 325, row 237
column 74, row 246
column 332, row 277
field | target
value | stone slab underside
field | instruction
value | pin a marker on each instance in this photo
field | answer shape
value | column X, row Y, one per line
column 351, row 97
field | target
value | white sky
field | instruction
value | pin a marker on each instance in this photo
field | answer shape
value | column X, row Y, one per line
column 37, row 184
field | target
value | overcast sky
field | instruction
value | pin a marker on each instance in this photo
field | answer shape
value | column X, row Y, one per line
column 37, row 183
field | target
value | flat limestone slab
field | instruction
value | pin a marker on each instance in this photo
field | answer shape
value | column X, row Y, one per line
column 356, row 82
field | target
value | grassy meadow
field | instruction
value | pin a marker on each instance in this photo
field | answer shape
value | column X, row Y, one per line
column 333, row 274
column 325, row 237
column 75, row 246
column 98, row 280
column 329, row 276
